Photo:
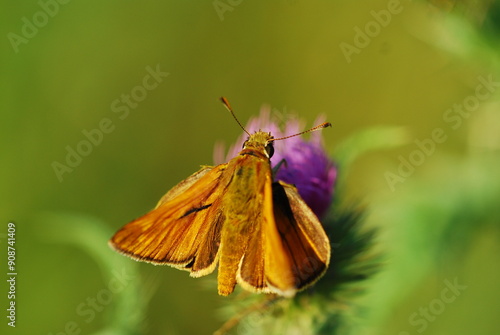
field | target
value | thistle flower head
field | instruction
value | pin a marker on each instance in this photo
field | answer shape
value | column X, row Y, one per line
column 305, row 165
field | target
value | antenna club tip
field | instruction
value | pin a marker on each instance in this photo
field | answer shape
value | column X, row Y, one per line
column 226, row 103
column 326, row 124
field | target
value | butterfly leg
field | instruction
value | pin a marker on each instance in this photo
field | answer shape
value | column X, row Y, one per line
column 278, row 166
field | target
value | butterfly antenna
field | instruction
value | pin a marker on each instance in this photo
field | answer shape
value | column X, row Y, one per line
column 228, row 106
column 318, row 127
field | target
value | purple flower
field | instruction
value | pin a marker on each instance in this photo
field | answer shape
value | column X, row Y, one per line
column 307, row 165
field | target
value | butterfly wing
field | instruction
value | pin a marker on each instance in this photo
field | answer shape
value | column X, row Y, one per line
column 183, row 230
column 302, row 234
column 290, row 250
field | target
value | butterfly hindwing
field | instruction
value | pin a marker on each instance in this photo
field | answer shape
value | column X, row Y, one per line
column 303, row 236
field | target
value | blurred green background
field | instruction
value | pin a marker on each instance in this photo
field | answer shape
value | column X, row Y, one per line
column 65, row 69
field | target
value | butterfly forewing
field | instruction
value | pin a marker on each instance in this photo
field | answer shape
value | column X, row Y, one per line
column 183, row 230
column 289, row 249
column 255, row 272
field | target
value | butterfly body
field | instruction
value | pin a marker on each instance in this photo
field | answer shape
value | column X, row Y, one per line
column 250, row 174
column 260, row 233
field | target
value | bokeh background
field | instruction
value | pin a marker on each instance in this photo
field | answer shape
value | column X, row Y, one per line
column 66, row 68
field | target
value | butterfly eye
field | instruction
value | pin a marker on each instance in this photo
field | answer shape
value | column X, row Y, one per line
column 270, row 149
column 244, row 144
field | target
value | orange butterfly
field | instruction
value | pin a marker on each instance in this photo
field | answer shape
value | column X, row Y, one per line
column 260, row 232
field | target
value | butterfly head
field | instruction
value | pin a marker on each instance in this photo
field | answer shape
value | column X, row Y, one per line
column 260, row 141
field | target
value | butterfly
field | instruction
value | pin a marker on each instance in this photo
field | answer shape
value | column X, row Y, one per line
column 258, row 231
